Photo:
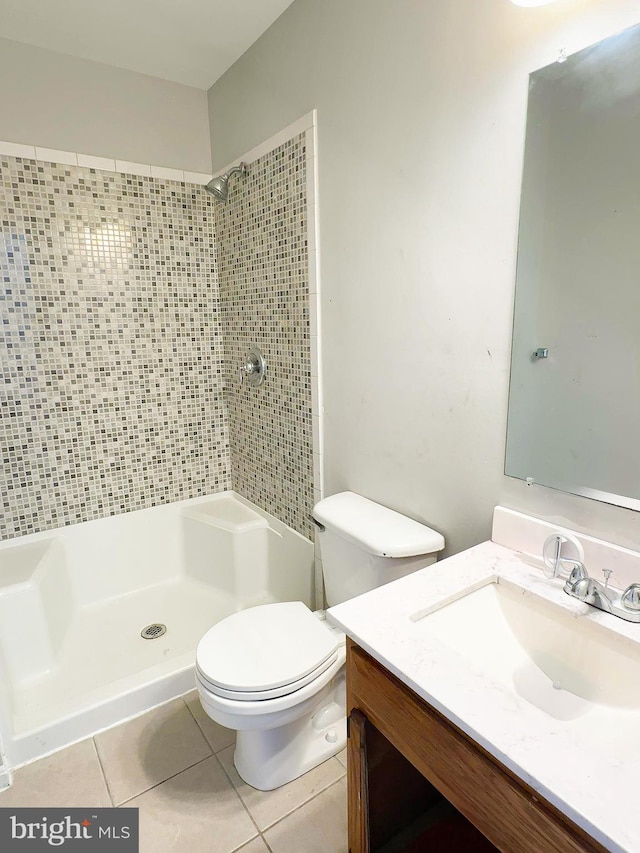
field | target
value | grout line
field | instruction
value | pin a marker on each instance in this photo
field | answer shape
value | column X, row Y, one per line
column 102, row 770
column 173, row 776
column 192, row 715
column 235, row 791
column 344, row 766
column 245, row 844
column 306, row 803
column 214, row 751
column 266, row 844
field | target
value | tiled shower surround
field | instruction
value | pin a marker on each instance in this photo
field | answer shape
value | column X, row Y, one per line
column 112, row 395
column 264, row 298
column 112, row 342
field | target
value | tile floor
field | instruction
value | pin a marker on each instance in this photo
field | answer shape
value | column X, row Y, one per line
column 176, row 766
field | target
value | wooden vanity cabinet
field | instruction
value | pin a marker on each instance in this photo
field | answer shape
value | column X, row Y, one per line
column 404, row 758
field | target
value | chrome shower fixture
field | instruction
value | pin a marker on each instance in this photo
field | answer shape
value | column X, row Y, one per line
column 219, row 187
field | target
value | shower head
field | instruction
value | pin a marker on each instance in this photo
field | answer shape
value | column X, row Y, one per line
column 219, row 187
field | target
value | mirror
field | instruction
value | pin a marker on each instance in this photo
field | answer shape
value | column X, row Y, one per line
column 574, row 415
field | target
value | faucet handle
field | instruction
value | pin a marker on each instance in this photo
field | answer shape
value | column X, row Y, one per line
column 631, row 597
column 578, row 572
column 583, row 587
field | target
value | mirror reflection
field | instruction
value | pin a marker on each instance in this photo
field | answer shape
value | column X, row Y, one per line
column 574, row 402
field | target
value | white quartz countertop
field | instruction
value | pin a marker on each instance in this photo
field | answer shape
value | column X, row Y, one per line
column 589, row 768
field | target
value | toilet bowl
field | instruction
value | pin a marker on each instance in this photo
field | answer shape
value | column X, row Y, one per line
column 280, row 685
column 275, row 673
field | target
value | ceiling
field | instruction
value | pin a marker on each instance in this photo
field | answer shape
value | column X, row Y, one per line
column 187, row 41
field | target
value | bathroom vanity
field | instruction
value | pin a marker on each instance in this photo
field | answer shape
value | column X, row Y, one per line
column 480, row 696
column 387, row 800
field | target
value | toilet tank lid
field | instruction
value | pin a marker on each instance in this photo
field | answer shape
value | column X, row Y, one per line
column 375, row 528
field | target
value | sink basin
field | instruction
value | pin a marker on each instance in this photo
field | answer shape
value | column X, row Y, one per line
column 565, row 665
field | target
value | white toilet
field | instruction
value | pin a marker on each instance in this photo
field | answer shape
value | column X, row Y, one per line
column 275, row 673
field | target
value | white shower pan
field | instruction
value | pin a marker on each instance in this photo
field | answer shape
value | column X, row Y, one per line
column 73, row 603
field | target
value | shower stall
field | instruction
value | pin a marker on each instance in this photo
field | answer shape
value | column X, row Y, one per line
column 145, row 486
column 99, row 620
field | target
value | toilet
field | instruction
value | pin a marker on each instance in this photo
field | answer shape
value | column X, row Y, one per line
column 275, row 672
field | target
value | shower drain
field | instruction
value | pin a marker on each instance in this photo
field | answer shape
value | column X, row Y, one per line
column 151, row 632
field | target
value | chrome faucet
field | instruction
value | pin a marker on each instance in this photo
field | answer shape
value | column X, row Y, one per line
column 625, row 605
column 591, row 592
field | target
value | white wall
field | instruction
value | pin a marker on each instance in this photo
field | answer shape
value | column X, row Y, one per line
column 57, row 101
column 421, row 119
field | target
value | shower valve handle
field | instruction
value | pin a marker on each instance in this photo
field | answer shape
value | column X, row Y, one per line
column 254, row 368
column 247, row 370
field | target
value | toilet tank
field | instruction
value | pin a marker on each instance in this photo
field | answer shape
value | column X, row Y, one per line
column 364, row 545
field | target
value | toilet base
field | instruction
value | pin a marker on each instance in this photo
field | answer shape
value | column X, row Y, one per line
column 269, row 758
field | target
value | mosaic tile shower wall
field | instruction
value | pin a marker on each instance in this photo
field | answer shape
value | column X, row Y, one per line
column 111, row 348
column 264, row 294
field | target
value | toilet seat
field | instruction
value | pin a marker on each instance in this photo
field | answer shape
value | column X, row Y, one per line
column 265, row 652
column 261, row 695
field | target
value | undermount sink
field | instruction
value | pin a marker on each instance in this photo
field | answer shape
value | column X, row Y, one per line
column 565, row 665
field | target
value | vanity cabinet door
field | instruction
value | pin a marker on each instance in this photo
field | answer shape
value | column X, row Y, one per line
column 505, row 810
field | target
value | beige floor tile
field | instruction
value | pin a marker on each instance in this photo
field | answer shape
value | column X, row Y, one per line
column 320, row 826
column 69, row 778
column 196, row 811
column 342, row 758
column 145, row 751
column 255, row 846
column 267, row 807
column 217, row 736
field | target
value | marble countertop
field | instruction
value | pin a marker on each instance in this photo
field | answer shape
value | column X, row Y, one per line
column 589, row 768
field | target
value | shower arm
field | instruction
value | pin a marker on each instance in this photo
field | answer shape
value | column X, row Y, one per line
column 240, row 169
